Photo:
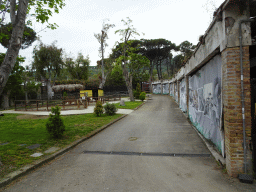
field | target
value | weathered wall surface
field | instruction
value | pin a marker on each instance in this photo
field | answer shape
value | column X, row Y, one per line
column 183, row 95
column 205, row 107
column 166, row 89
column 157, row 88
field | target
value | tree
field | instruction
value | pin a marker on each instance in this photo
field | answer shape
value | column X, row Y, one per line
column 47, row 63
column 18, row 10
column 186, row 49
column 126, row 34
column 29, row 36
column 78, row 69
column 156, row 50
column 13, row 85
column 102, row 37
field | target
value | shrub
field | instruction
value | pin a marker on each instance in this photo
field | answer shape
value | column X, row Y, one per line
column 65, row 95
column 142, row 96
column 98, row 109
column 136, row 93
column 110, row 109
column 54, row 124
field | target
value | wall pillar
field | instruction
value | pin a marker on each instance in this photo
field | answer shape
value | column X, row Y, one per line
column 178, row 90
column 232, row 108
column 187, row 92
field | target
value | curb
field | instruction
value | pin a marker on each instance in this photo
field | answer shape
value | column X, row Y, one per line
column 28, row 168
column 140, row 106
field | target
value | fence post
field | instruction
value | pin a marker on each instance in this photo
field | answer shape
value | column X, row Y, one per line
column 37, row 105
column 47, row 105
column 25, row 105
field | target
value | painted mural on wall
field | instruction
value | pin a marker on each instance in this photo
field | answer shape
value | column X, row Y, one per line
column 166, row 89
column 183, row 95
column 205, row 105
column 156, row 88
column 176, row 92
column 171, row 90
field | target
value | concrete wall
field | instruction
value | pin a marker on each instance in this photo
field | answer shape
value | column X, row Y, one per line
column 212, row 82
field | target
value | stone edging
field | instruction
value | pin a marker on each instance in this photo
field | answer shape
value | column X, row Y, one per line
column 28, row 168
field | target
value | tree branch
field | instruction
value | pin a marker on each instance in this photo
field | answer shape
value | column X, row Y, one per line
column 12, row 10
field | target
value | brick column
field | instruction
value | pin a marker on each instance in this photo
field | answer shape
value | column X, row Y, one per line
column 232, row 108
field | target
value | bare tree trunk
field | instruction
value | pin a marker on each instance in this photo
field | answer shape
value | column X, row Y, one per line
column 49, row 89
column 128, row 82
column 15, row 44
column 6, row 100
column 103, row 79
column 151, row 75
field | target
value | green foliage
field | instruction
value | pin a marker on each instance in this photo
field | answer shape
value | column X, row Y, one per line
column 47, row 60
column 136, row 93
column 78, row 69
column 98, row 109
column 142, row 96
column 110, row 109
column 55, row 125
column 65, row 94
column 116, row 76
column 29, row 36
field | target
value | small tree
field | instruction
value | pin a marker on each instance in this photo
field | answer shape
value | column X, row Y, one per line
column 55, row 125
column 98, row 110
column 137, row 91
column 142, row 96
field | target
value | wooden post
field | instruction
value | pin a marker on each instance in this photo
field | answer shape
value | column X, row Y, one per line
column 37, row 105
column 47, row 105
column 25, row 105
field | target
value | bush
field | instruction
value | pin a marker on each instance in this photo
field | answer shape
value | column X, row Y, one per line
column 98, row 109
column 142, row 96
column 110, row 109
column 54, row 124
column 136, row 93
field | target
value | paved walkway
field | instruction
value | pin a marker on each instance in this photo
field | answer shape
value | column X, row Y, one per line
column 90, row 109
column 152, row 149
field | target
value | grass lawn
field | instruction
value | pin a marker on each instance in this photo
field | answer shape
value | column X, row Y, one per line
column 129, row 104
column 17, row 130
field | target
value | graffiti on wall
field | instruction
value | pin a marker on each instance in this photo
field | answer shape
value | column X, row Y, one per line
column 205, row 106
column 183, row 95
column 166, row 89
column 171, row 90
column 176, row 92
column 156, row 88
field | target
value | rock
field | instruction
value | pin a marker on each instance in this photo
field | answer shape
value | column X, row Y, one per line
column 34, row 146
column 122, row 103
column 52, row 149
column 36, row 155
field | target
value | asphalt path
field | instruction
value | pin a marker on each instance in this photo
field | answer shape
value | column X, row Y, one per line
column 152, row 149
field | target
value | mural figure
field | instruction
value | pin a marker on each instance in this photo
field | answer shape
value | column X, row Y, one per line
column 183, row 96
column 166, row 89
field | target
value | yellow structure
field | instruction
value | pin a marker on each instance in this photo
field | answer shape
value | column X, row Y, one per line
column 92, row 93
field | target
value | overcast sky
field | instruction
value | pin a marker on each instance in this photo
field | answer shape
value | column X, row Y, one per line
column 174, row 20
